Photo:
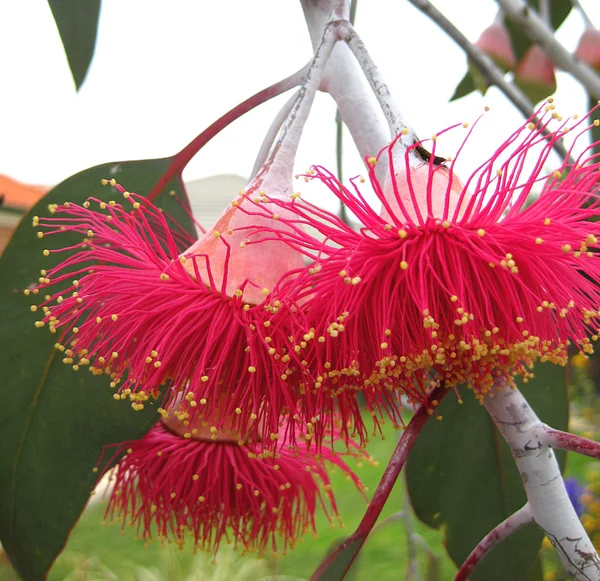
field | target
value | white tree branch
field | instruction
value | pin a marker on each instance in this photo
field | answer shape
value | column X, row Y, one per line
column 533, row 26
column 547, row 497
column 345, row 82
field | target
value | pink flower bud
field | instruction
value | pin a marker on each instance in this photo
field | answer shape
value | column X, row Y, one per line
column 588, row 49
column 535, row 74
column 495, row 42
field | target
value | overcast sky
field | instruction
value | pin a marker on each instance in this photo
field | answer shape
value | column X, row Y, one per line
column 163, row 71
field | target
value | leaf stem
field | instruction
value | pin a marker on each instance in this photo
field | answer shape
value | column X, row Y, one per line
column 181, row 159
column 355, row 541
column 514, row 522
column 565, row 441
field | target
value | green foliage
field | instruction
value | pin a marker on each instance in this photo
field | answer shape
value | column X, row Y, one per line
column 77, row 23
column 462, row 478
column 520, row 41
column 465, row 87
column 54, row 421
column 473, row 79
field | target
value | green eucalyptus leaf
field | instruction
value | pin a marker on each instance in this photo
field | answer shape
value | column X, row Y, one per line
column 54, row 421
column 465, row 87
column 77, row 23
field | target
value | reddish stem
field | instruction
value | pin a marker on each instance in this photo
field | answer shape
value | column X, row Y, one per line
column 564, row 441
column 384, row 488
column 181, row 159
column 503, row 530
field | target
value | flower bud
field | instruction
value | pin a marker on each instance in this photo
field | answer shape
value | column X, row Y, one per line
column 588, row 49
column 495, row 42
column 535, row 74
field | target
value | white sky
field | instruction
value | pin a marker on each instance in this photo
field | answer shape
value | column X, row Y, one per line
column 163, row 71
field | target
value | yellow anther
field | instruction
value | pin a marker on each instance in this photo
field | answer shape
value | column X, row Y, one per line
column 40, row 234
column 402, row 233
column 539, row 240
column 547, row 222
column 46, row 253
column 251, row 369
column 114, row 317
column 566, row 248
column 372, row 160
column 164, row 276
column 481, row 232
column 403, row 265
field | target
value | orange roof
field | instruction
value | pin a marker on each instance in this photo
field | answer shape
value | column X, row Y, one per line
column 19, row 195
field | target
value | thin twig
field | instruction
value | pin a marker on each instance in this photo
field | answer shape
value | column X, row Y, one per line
column 584, row 14
column 534, row 28
column 560, row 440
column 514, row 522
column 181, row 159
column 351, row 546
column 339, row 132
column 492, row 74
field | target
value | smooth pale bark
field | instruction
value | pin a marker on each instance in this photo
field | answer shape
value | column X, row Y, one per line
column 549, row 503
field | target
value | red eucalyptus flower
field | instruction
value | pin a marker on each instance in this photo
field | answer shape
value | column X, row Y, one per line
column 200, row 324
column 169, row 485
column 453, row 283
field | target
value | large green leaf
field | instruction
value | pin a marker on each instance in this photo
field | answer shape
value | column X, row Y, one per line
column 77, row 22
column 54, row 421
column 559, row 10
column 462, row 478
